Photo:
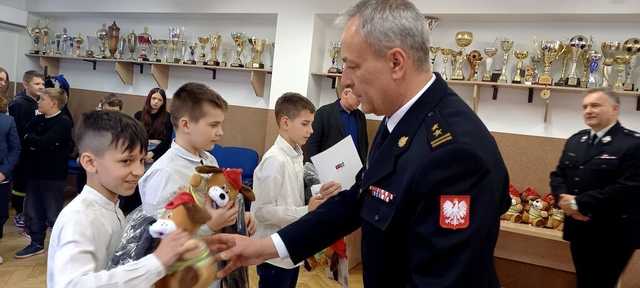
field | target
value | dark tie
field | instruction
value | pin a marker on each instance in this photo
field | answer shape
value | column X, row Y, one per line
column 382, row 137
column 593, row 140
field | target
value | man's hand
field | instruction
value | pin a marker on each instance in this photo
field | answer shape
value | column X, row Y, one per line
column 329, row 189
column 2, row 177
column 221, row 217
column 315, row 201
column 240, row 251
column 250, row 222
column 567, row 207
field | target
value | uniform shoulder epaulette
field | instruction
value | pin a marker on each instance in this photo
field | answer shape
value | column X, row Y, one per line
column 581, row 133
column 631, row 133
column 438, row 134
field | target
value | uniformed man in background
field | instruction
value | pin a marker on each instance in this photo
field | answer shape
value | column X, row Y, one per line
column 430, row 199
column 597, row 184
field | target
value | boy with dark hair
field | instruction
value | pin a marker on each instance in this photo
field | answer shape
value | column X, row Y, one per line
column 112, row 146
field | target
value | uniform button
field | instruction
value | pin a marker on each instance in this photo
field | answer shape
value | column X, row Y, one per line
column 581, row 167
column 376, row 218
column 430, row 114
column 566, row 162
column 576, row 190
column 576, row 179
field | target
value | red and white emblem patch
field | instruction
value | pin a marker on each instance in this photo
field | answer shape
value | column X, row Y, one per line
column 454, row 211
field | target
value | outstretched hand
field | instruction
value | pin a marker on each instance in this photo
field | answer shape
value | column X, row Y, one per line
column 240, row 251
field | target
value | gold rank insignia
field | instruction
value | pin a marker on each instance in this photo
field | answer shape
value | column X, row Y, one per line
column 439, row 136
column 403, row 141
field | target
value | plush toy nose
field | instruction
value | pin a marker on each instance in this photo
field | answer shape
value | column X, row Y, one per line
column 219, row 196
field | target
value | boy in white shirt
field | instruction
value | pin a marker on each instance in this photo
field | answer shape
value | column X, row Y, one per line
column 197, row 115
column 279, row 187
column 112, row 148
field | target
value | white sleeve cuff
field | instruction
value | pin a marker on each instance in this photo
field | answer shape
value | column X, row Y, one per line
column 277, row 241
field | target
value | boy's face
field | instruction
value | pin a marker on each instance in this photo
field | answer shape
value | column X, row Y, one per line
column 207, row 131
column 116, row 170
column 298, row 129
column 34, row 87
column 46, row 105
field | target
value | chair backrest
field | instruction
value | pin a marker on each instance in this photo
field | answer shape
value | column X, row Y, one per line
column 237, row 157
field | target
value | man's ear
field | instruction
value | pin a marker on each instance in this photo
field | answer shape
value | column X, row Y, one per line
column 88, row 162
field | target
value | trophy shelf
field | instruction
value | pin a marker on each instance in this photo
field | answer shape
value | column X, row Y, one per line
column 545, row 93
column 159, row 71
column 333, row 76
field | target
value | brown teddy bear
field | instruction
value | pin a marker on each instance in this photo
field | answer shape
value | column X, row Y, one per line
column 224, row 186
column 556, row 215
column 195, row 268
column 528, row 196
column 538, row 213
column 514, row 214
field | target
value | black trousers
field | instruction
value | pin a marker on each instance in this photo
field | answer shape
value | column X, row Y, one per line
column 599, row 262
column 275, row 277
column 42, row 205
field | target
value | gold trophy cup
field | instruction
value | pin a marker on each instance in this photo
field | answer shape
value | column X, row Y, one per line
column 216, row 41
column 204, row 41
column 239, row 40
column 490, row 52
column 257, row 48
column 520, row 56
column 550, row 49
column 506, row 46
column 463, row 39
column 474, row 58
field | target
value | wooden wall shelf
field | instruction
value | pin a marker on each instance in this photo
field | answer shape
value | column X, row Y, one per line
column 545, row 91
column 159, row 71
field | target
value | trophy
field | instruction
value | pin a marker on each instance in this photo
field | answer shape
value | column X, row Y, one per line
column 584, row 58
column 45, row 39
column 204, row 41
column 65, row 41
column 506, row 46
column 621, row 62
column 490, row 52
column 156, row 45
column 175, row 41
column 433, row 53
column 91, row 42
column 446, row 52
column 631, row 47
column 432, row 23
column 594, row 60
column 132, row 44
column 463, row 39
column 36, row 38
column 562, row 80
column 192, row 47
column 608, row 48
column 102, row 36
column 77, row 45
column 144, row 41
column 58, row 42
column 551, row 49
column 257, row 47
column 114, row 39
column 520, row 56
column 335, row 54
column 577, row 44
column 238, row 39
column 216, row 41
column 474, row 58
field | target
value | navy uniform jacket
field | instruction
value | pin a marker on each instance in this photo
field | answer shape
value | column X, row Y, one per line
column 606, row 181
column 440, row 150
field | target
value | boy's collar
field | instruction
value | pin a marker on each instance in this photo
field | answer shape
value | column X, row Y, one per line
column 287, row 148
column 184, row 153
column 96, row 196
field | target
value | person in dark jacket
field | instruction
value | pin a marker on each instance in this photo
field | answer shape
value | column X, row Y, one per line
column 23, row 109
column 9, row 153
column 335, row 121
column 429, row 199
column 597, row 184
column 46, row 143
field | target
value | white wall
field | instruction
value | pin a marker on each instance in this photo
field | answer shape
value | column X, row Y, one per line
column 301, row 49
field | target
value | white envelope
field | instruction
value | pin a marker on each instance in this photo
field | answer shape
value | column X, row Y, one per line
column 340, row 163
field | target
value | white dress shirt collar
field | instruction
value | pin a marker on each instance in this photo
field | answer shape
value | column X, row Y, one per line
column 98, row 198
column 282, row 144
column 397, row 116
column 601, row 133
column 184, row 153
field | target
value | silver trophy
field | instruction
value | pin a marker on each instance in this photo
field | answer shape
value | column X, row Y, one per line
column 103, row 36
column 36, row 38
column 577, row 44
column 594, row 64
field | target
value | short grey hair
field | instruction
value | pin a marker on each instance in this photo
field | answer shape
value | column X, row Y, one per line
column 606, row 91
column 388, row 24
